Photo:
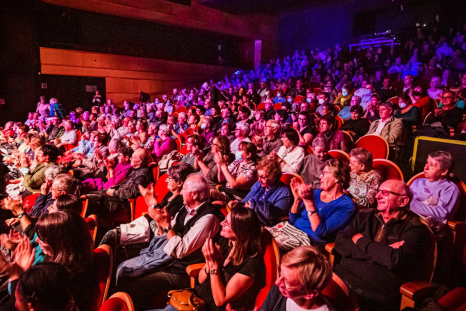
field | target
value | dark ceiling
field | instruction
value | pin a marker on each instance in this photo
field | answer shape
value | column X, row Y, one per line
column 272, row 7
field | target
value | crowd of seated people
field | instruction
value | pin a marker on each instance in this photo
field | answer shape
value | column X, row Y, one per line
column 275, row 147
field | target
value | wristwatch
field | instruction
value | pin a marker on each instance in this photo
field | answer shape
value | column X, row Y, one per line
column 309, row 213
column 214, row 272
column 21, row 215
column 165, row 230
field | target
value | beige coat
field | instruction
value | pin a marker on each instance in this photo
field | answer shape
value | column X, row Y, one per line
column 393, row 131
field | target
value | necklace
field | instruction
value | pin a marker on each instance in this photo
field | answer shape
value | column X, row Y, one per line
column 328, row 138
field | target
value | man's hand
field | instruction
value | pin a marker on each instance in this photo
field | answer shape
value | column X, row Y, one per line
column 356, row 237
column 397, row 245
column 110, row 192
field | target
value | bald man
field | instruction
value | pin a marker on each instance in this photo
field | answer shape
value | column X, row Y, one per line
column 384, row 248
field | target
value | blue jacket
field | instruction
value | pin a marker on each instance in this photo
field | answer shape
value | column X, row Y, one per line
column 41, row 206
column 272, row 205
column 334, row 216
column 57, row 110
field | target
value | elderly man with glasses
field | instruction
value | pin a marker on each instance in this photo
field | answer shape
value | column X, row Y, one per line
column 384, row 248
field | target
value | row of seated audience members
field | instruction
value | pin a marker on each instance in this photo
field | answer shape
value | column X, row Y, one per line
column 318, row 214
column 237, row 154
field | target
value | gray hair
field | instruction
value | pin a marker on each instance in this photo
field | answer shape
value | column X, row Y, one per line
column 274, row 124
column 163, row 127
column 363, row 156
column 52, row 171
column 319, row 142
column 244, row 127
column 65, row 182
column 198, row 183
column 444, row 158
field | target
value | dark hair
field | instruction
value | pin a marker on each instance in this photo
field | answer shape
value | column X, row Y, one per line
column 51, row 151
column 180, row 172
column 249, row 148
column 292, row 135
column 196, row 116
column 224, row 143
column 47, row 286
column 282, row 113
column 197, row 140
column 69, row 202
column 201, row 108
column 357, row 109
column 326, row 95
column 126, row 151
column 68, row 235
column 330, row 120
column 244, row 109
column 248, row 242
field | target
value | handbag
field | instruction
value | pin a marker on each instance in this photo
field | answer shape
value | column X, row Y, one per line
column 137, row 231
column 185, row 300
column 288, row 237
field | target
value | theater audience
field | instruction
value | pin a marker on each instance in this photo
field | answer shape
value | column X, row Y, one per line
column 233, row 279
column 164, row 262
column 364, row 180
column 322, row 213
column 384, row 248
column 435, row 197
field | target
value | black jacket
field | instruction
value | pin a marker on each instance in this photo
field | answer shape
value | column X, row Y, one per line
column 372, row 265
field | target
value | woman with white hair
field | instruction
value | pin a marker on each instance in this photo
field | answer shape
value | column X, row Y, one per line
column 164, row 144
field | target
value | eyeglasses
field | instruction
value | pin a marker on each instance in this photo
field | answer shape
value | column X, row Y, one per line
column 447, row 97
column 385, row 193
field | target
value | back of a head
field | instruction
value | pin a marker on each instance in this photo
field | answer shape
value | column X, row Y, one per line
column 198, row 183
column 47, row 287
column 313, row 268
column 68, row 235
column 69, row 202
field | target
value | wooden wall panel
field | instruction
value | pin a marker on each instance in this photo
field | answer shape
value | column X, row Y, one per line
column 125, row 76
column 195, row 16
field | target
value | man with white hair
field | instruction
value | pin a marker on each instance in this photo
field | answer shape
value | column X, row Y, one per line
column 162, row 265
column 270, row 143
column 241, row 134
column 384, row 248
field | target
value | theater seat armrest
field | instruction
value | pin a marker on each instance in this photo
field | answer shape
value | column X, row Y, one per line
column 193, row 270
column 457, row 225
column 416, row 290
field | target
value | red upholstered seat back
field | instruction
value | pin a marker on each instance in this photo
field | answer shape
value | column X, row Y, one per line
column 271, row 260
column 375, row 144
